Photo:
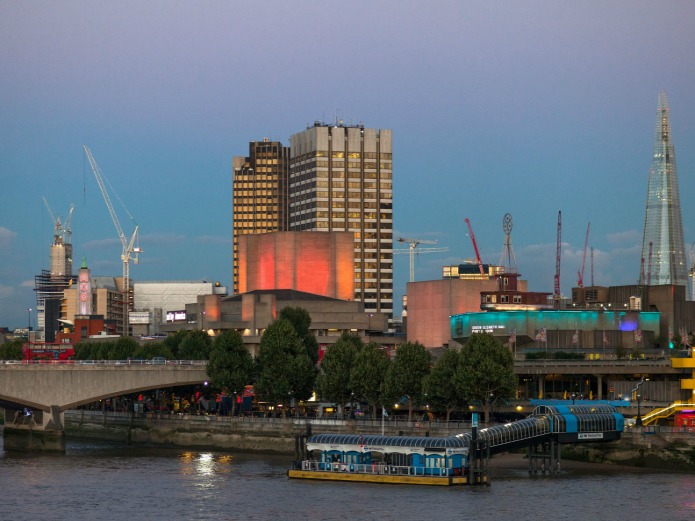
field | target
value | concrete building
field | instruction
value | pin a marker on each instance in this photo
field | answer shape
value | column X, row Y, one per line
column 106, row 293
column 154, row 301
column 259, row 194
column 318, row 263
column 341, row 180
column 432, row 303
column 251, row 313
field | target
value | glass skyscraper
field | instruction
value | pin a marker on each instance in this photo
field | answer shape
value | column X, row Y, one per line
column 663, row 248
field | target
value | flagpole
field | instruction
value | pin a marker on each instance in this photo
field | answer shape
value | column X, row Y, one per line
column 383, row 414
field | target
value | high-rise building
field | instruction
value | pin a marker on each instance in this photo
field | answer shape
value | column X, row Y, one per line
column 663, row 248
column 49, row 285
column 259, row 193
column 341, row 180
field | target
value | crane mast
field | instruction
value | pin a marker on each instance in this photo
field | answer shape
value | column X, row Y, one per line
column 129, row 251
column 580, row 273
column 556, row 292
column 475, row 247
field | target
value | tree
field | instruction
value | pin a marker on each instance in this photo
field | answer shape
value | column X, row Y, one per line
column 285, row 369
column 333, row 381
column 405, row 375
column 11, row 350
column 195, row 346
column 442, row 393
column 173, row 341
column 123, row 348
column 301, row 322
column 485, row 372
column 231, row 365
column 368, row 374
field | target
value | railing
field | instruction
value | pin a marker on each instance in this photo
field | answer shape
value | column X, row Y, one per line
column 374, row 468
column 103, row 362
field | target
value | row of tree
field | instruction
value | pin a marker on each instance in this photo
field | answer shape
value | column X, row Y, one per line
column 287, row 367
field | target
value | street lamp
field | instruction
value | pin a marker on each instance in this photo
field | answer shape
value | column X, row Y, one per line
column 28, row 321
column 638, row 423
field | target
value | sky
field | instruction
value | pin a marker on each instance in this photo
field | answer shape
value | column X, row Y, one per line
column 520, row 107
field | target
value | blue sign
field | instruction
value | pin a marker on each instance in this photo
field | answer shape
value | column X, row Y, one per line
column 474, row 419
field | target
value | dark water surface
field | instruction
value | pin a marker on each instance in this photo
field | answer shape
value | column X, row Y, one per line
column 94, row 481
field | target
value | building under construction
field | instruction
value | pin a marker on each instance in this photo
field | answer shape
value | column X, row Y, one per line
column 50, row 284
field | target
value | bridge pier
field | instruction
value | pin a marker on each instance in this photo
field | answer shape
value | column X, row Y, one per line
column 544, row 457
column 41, row 431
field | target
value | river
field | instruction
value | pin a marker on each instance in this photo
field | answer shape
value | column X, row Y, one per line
column 95, row 480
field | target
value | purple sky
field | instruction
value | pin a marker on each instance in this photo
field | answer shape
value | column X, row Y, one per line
column 522, row 107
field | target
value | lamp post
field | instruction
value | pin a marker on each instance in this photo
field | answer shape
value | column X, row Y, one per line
column 28, row 321
column 638, row 423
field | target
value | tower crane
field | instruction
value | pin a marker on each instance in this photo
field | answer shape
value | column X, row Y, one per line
column 130, row 250
column 475, row 247
column 580, row 273
column 63, row 231
column 414, row 243
column 556, row 292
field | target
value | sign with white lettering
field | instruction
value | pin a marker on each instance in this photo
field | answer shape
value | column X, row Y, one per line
column 590, row 436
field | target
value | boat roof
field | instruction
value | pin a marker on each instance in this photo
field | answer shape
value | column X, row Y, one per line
column 388, row 441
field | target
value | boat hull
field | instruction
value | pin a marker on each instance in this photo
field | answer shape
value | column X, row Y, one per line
column 377, row 478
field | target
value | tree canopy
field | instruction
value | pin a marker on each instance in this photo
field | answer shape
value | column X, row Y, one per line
column 231, row 365
column 333, row 381
column 301, row 322
column 195, row 345
column 443, row 395
column 285, row 369
column 486, row 371
column 368, row 374
column 406, row 374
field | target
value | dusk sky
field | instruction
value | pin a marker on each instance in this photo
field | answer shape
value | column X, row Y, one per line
column 526, row 107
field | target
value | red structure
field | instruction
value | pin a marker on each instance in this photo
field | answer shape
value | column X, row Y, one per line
column 84, row 327
column 50, row 352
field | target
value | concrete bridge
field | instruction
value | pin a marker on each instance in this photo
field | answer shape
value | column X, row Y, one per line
column 51, row 389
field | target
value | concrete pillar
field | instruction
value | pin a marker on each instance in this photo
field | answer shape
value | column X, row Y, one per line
column 599, row 382
column 42, row 431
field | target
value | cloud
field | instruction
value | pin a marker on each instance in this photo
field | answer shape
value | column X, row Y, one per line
column 6, row 237
column 103, row 243
column 627, row 236
column 28, row 284
column 162, row 239
column 213, row 239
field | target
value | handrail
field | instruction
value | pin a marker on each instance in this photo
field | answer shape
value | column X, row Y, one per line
column 103, row 362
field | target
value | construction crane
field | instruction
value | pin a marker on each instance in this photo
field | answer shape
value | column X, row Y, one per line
column 414, row 243
column 130, row 250
column 475, row 247
column 580, row 273
column 63, row 231
column 556, row 292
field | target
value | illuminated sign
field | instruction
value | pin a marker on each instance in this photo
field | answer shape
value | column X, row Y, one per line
column 590, row 436
column 139, row 317
column 488, row 328
column 175, row 316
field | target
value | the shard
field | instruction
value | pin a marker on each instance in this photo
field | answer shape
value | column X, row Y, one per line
column 663, row 248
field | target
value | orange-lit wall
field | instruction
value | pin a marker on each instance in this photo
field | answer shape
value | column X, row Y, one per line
column 431, row 303
column 315, row 262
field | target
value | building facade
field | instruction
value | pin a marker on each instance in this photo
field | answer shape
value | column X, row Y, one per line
column 341, row 180
column 318, row 263
column 663, row 248
column 259, row 194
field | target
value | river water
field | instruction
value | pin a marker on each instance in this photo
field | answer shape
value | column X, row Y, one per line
column 103, row 481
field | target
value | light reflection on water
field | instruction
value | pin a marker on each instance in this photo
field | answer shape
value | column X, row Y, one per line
column 105, row 481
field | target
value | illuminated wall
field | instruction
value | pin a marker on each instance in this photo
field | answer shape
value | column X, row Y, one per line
column 314, row 262
column 527, row 323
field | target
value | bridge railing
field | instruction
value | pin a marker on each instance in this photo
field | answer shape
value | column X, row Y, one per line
column 104, row 362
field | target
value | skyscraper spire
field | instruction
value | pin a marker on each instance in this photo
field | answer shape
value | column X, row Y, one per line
column 663, row 227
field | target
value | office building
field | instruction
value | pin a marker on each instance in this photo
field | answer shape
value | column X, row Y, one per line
column 259, row 194
column 663, row 249
column 341, row 181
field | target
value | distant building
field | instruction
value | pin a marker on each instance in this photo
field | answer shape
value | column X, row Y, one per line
column 251, row 313
column 341, row 181
column 156, row 302
column 663, row 247
column 432, row 303
column 259, row 194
